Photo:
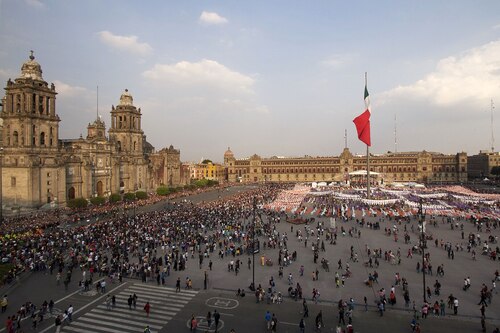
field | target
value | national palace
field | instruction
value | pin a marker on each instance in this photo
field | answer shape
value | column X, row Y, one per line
column 422, row 167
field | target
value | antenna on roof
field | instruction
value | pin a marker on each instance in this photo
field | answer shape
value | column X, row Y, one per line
column 345, row 138
column 395, row 134
column 492, row 136
column 97, row 108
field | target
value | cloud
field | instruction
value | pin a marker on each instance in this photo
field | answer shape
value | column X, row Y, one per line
column 66, row 91
column 471, row 77
column 208, row 73
column 35, row 3
column 212, row 18
column 125, row 43
column 338, row 60
column 238, row 104
column 496, row 27
column 4, row 75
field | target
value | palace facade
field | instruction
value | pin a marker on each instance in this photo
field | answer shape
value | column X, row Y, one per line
column 422, row 167
column 37, row 167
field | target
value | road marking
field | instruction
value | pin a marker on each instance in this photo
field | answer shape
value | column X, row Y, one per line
column 85, row 306
column 58, row 301
column 222, row 303
column 287, row 323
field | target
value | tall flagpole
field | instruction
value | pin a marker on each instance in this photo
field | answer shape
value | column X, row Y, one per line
column 367, row 159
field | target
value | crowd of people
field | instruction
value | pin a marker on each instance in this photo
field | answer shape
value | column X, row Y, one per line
column 150, row 245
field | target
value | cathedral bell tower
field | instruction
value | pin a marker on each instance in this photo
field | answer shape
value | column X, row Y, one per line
column 31, row 167
column 125, row 128
column 29, row 113
column 127, row 135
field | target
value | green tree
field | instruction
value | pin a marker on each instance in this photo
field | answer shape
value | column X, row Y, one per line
column 206, row 161
column 163, row 190
column 115, row 197
column 141, row 195
column 97, row 201
column 130, row 196
column 77, row 203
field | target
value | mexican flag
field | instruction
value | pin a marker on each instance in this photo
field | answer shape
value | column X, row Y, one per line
column 362, row 121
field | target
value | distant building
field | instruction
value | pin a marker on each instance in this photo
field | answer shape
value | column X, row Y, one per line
column 425, row 167
column 480, row 165
column 39, row 168
column 207, row 170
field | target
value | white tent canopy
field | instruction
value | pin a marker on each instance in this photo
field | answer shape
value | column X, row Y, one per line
column 363, row 173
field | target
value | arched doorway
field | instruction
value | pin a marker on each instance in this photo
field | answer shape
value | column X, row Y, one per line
column 71, row 193
column 99, row 189
column 122, row 186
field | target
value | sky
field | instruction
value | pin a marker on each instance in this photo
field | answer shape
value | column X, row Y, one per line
column 275, row 78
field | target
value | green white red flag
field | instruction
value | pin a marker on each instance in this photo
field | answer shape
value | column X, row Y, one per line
column 362, row 121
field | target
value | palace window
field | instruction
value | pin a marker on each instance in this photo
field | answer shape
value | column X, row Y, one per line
column 13, row 181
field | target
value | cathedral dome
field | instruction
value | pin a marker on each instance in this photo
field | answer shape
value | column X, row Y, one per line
column 228, row 153
column 31, row 69
column 126, row 98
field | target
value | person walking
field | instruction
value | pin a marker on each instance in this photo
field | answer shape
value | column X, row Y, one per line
column 274, row 323
column 319, row 320
column 209, row 319
column 194, row 323
column 4, row 303
column 134, row 301
column 455, row 306
column 178, row 285
column 130, row 300
column 58, row 323
column 302, row 325
column 268, row 318
column 216, row 319
column 147, row 308
column 305, row 308
column 70, row 313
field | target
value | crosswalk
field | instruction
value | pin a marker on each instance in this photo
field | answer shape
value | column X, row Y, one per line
column 165, row 304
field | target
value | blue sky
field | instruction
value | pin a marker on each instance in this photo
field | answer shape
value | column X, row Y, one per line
column 268, row 77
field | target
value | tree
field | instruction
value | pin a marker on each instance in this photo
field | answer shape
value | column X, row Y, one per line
column 97, row 201
column 206, row 161
column 115, row 197
column 141, row 195
column 130, row 196
column 77, row 203
column 163, row 190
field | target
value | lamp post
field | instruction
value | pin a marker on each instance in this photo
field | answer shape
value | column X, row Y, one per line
column 422, row 243
column 253, row 241
column 1, row 184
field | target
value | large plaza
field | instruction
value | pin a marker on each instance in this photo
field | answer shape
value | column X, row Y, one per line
column 245, row 314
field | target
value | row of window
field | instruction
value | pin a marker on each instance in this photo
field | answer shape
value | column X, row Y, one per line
column 40, row 104
column 42, row 137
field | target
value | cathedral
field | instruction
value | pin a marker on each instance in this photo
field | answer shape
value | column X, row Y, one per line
column 39, row 168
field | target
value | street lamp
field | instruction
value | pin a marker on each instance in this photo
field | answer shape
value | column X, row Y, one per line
column 422, row 242
column 253, row 241
column 1, row 179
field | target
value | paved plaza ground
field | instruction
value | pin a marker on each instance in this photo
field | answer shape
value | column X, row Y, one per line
column 248, row 316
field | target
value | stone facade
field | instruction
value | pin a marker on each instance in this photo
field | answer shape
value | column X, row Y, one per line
column 39, row 168
column 166, row 168
column 480, row 165
column 425, row 167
